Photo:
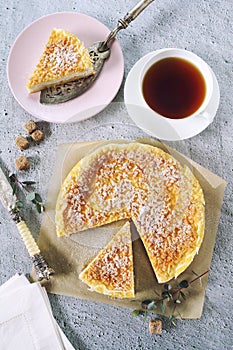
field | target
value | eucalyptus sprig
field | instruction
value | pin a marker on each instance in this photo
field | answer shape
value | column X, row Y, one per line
column 176, row 295
column 31, row 196
column 36, row 199
column 18, row 206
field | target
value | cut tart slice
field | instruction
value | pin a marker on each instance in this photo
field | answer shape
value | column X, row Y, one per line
column 64, row 59
column 111, row 271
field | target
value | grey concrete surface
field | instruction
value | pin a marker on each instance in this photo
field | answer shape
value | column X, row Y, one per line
column 201, row 26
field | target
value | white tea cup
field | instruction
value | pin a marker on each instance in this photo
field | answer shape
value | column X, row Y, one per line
column 158, row 125
column 199, row 65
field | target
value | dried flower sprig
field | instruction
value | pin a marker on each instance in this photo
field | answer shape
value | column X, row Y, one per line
column 177, row 295
column 32, row 196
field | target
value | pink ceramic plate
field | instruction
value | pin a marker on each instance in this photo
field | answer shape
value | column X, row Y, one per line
column 27, row 50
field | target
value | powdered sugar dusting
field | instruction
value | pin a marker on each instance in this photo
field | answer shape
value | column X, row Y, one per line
column 61, row 57
column 139, row 182
column 64, row 56
column 114, row 265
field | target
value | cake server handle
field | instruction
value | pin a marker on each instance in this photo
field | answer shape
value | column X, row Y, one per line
column 124, row 22
column 43, row 271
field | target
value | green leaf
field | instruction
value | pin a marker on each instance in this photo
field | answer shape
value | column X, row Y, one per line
column 28, row 183
column 31, row 196
column 184, row 284
column 162, row 306
column 177, row 301
column 172, row 320
column 135, row 313
column 146, row 302
column 152, row 306
column 19, row 204
column 167, row 286
column 12, row 177
column 166, row 295
column 14, row 188
column 183, row 295
column 38, row 198
column 38, row 207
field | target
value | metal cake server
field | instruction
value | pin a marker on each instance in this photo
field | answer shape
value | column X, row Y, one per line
column 99, row 52
column 9, row 201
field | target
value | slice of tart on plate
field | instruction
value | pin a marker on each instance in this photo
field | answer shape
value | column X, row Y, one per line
column 111, row 271
column 64, row 59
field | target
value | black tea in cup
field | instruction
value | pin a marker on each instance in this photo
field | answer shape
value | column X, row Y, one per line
column 174, row 88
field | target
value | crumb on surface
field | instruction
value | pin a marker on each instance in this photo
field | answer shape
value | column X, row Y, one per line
column 21, row 142
column 30, row 126
column 155, row 326
column 22, row 163
column 37, row 135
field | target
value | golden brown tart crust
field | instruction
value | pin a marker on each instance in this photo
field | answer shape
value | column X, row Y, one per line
column 141, row 182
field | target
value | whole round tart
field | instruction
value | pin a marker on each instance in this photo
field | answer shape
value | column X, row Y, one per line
column 143, row 183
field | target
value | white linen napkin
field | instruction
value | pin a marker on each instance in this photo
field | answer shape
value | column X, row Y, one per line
column 26, row 320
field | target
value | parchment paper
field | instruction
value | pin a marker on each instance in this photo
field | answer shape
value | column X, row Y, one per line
column 68, row 255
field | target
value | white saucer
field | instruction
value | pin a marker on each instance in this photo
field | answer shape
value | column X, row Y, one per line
column 165, row 129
